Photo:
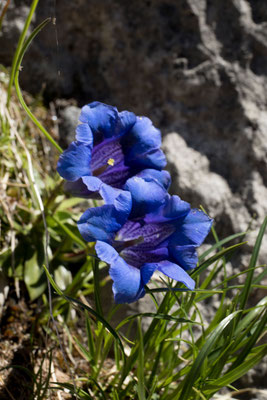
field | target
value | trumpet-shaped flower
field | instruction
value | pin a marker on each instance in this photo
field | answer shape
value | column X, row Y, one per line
column 110, row 148
column 135, row 245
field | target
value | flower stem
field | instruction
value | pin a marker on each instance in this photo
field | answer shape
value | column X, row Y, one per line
column 19, row 48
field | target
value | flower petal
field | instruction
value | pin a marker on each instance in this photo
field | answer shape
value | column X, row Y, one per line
column 147, row 270
column 102, row 223
column 173, row 209
column 161, row 177
column 100, row 117
column 120, row 199
column 127, row 285
column 152, row 159
column 186, row 256
column 74, row 162
column 84, row 134
column 127, row 120
column 143, row 137
column 193, row 229
column 147, row 195
column 80, row 189
column 141, row 145
column 92, row 183
column 173, row 271
column 99, row 223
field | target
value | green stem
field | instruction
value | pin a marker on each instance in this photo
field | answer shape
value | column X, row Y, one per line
column 16, row 81
column 3, row 13
column 18, row 49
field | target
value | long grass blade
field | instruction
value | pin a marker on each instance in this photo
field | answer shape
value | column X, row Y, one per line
column 141, row 364
column 236, row 373
column 17, row 87
column 15, row 63
column 252, row 341
column 252, row 264
column 204, row 352
column 217, row 256
column 87, row 308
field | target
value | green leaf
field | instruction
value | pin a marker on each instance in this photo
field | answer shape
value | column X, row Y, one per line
column 141, row 365
column 252, row 264
column 239, row 371
column 19, row 48
column 87, row 308
column 16, row 69
column 220, row 244
column 69, row 203
column 34, row 276
column 78, row 392
column 63, row 277
column 217, row 256
column 194, row 372
column 251, row 315
column 162, row 317
column 252, row 341
column 70, row 233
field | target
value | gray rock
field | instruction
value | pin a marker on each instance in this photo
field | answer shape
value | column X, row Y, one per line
column 69, row 117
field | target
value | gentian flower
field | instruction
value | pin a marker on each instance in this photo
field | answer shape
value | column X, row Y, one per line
column 164, row 239
column 110, row 148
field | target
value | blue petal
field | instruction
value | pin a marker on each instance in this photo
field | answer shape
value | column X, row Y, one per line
column 141, row 145
column 102, row 223
column 84, row 135
column 143, row 137
column 127, row 286
column 99, row 223
column 174, row 210
column 186, row 256
column 79, row 189
column 147, row 270
column 161, row 177
column 93, row 186
column 100, row 117
column 147, row 195
column 193, row 229
column 92, row 183
column 175, row 272
column 152, row 159
column 74, row 162
column 120, row 199
column 127, row 120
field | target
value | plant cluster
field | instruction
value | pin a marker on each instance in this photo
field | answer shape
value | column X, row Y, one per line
column 115, row 167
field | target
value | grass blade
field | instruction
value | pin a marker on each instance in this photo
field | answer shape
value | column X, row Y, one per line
column 236, row 373
column 15, row 63
column 141, row 365
column 204, row 352
column 87, row 308
column 216, row 257
column 252, row 341
column 252, row 264
column 220, row 243
column 16, row 81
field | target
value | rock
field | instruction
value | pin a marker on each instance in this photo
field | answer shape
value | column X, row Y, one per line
column 69, row 117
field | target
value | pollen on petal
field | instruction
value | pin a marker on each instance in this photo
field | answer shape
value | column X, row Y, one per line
column 111, row 161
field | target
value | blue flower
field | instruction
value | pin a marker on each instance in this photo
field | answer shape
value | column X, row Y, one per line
column 163, row 239
column 110, row 148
